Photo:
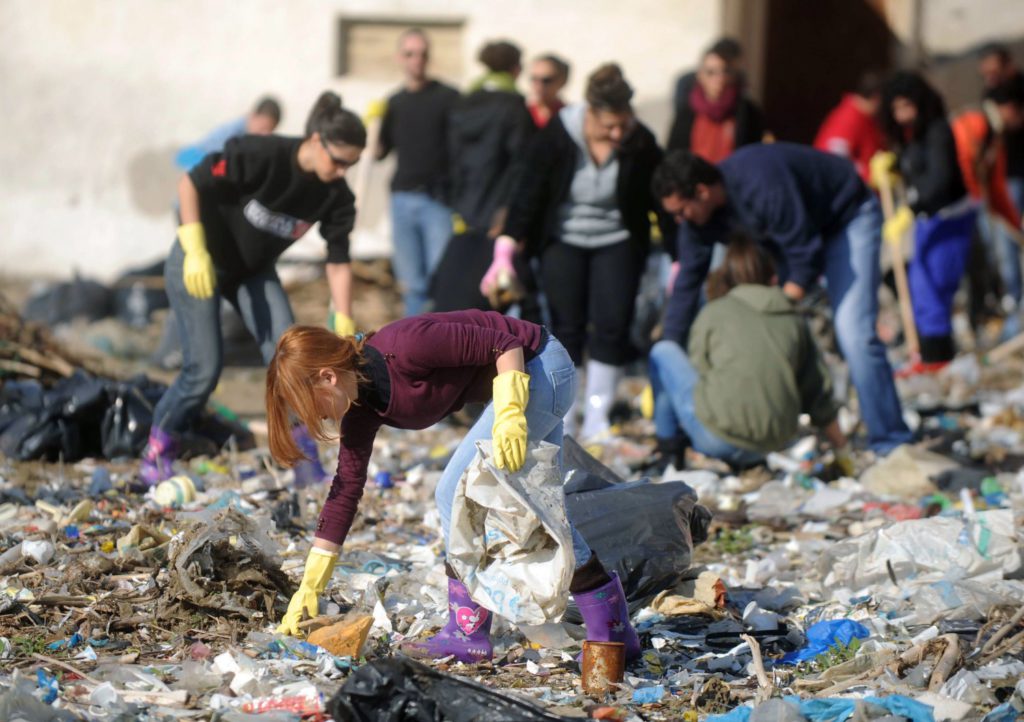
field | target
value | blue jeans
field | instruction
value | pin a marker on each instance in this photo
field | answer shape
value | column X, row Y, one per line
column 1007, row 253
column 260, row 301
column 673, row 380
column 421, row 228
column 552, row 390
column 853, row 275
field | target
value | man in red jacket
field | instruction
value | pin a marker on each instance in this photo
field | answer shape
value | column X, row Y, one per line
column 851, row 130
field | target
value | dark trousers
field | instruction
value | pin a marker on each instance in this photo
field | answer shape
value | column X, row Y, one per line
column 591, row 294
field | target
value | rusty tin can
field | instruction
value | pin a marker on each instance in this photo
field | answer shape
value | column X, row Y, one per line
column 604, row 663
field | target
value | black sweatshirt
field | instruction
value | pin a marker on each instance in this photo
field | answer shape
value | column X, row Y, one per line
column 255, row 202
column 931, row 169
column 547, row 178
column 416, row 125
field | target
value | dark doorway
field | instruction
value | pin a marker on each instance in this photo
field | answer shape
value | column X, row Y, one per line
column 814, row 51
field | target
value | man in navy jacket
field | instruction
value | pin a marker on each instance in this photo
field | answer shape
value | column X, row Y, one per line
column 820, row 219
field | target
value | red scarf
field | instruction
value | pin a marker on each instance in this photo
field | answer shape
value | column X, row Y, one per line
column 717, row 110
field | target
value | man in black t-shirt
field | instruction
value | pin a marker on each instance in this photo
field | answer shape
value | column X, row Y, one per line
column 415, row 124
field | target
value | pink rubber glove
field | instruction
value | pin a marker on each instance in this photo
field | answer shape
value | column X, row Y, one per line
column 673, row 273
column 501, row 269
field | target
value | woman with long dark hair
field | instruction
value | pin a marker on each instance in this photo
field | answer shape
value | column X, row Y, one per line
column 938, row 207
column 240, row 209
column 582, row 207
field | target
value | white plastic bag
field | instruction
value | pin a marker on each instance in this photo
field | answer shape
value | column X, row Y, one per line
column 510, row 541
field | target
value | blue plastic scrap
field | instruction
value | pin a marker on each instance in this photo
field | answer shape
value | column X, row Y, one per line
column 648, row 695
column 822, row 636
column 840, row 710
column 49, row 686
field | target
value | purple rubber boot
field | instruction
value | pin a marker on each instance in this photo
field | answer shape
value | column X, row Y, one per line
column 606, row 616
column 309, row 471
column 158, row 457
column 467, row 634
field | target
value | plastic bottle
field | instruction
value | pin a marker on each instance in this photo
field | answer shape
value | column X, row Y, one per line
column 176, row 491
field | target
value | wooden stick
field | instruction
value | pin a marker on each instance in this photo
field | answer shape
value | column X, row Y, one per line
column 1006, row 629
column 899, row 269
column 1006, row 349
column 947, row 662
column 1003, row 649
column 18, row 367
column 53, row 363
column 765, row 686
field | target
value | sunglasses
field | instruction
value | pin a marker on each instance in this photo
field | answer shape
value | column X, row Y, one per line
column 415, row 53
column 543, row 79
column 338, row 162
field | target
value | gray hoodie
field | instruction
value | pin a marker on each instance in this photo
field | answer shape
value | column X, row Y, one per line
column 590, row 217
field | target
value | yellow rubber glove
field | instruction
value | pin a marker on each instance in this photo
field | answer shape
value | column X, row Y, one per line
column 881, row 167
column 198, row 274
column 458, row 224
column 647, row 402
column 895, row 228
column 375, row 110
column 319, row 567
column 508, row 435
column 341, row 324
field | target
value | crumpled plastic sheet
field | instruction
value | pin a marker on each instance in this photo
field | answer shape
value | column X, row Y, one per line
column 523, row 568
column 921, row 551
column 397, row 689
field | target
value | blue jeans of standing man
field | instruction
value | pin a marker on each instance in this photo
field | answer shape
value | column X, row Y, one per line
column 673, row 381
column 853, row 274
column 552, row 390
column 260, row 301
column 421, row 228
column 1007, row 252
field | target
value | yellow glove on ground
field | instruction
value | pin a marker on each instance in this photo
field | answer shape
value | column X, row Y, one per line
column 508, row 435
column 198, row 274
column 375, row 110
column 319, row 567
column 895, row 228
column 882, row 168
column 341, row 324
column 844, row 464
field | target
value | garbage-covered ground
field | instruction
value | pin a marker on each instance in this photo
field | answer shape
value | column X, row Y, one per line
column 895, row 593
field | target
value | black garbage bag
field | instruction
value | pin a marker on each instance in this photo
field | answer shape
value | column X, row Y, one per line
column 398, row 689
column 125, row 427
column 42, row 435
column 138, row 292
column 646, row 532
column 18, row 398
column 64, row 302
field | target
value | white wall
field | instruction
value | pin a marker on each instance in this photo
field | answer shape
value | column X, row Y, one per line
column 954, row 26
column 98, row 94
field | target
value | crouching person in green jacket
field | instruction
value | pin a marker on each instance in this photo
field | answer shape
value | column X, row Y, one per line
column 751, row 370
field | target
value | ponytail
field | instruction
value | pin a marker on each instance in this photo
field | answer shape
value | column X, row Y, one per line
column 334, row 123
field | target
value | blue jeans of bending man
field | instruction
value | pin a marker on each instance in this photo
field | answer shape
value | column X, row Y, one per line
column 421, row 228
column 260, row 301
column 552, row 390
column 853, row 275
column 673, row 381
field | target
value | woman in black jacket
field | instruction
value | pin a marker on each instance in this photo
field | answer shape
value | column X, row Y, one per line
column 938, row 208
column 582, row 207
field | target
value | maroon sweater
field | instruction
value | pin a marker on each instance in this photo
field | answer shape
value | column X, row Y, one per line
column 436, row 364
